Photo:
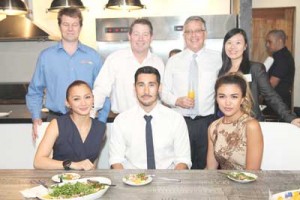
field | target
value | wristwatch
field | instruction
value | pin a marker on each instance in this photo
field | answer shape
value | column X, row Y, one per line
column 67, row 164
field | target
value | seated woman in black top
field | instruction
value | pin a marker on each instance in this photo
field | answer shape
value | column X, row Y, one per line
column 74, row 137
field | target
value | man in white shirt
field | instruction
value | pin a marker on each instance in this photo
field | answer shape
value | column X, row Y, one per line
column 198, row 108
column 117, row 74
column 128, row 145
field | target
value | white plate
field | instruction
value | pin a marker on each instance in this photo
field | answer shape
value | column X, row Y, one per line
column 285, row 195
column 93, row 196
column 127, row 180
column 4, row 114
column 231, row 176
column 66, row 177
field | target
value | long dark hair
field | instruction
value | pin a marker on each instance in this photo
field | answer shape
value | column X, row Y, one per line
column 245, row 64
column 237, row 78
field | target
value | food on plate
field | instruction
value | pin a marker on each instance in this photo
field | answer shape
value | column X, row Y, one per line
column 241, row 176
column 137, row 178
column 73, row 190
column 69, row 176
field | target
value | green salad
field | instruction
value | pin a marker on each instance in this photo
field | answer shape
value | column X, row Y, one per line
column 240, row 176
column 70, row 190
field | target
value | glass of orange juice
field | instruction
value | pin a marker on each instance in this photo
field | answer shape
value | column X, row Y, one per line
column 191, row 91
column 191, row 94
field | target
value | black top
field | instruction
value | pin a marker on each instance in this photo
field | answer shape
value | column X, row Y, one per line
column 283, row 68
column 69, row 144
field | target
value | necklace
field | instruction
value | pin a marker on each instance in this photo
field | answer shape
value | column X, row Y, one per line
column 228, row 121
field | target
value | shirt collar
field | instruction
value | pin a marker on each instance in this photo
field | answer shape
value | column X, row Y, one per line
column 190, row 52
column 131, row 55
column 153, row 112
column 79, row 46
column 280, row 50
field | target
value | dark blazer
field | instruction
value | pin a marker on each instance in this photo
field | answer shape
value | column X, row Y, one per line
column 260, row 85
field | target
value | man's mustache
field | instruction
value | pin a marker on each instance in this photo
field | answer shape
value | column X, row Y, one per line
column 146, row 95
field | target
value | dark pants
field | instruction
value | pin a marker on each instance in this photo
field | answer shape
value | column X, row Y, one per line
column 198, row 139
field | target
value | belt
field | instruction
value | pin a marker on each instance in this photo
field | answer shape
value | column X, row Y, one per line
column 196, row 118
column 55, row 113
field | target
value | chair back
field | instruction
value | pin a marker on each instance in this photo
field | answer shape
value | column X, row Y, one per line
column 41, row 132
column 281, row 146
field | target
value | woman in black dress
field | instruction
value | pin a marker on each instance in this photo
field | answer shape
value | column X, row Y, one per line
column 75, row 138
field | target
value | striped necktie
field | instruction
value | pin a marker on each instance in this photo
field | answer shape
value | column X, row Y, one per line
column 193, row 78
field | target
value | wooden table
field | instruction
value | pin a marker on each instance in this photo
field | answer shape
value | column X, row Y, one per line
column 195, row 184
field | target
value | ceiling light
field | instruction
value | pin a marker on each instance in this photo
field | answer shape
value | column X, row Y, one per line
column 13, row 7
column 124, row 5
column 56, row 5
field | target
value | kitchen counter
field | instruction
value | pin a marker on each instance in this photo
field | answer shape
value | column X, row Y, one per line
column 20, row 114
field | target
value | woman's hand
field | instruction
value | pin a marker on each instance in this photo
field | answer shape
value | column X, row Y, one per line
column 83, row 165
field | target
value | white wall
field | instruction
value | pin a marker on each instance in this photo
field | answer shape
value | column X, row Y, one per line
column 154, row 8
column 18, row 150
column 18, row 58
column 288, row 3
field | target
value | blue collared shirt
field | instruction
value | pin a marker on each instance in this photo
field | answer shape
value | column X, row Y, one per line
column 55, row 71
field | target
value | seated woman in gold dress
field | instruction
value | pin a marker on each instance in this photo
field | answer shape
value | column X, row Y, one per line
column 235, row 141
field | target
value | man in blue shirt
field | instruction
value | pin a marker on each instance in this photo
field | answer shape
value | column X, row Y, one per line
column 60, row 65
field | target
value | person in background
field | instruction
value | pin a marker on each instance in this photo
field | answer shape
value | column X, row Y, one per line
column 75, row 137
column 282, row 71
column 188, row 86
column 173, row 52
column 235, row 56
column 60, row 65
column 116, row 77
column 128, row 144
column 235, row 141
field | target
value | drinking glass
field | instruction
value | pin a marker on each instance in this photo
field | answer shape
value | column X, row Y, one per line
column 191, row 91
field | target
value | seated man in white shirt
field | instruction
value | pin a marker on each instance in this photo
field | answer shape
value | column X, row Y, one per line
column 129, row 146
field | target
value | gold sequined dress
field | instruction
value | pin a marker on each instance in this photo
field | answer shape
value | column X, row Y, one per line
column 230, row 140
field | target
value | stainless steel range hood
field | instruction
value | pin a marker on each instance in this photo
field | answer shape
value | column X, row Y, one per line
column 20, row 28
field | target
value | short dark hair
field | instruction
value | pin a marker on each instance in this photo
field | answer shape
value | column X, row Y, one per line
column 76, row 83
column 280, row 34
column 174, row 51
column 147, row 70
column 70, row 12
column 143, row 21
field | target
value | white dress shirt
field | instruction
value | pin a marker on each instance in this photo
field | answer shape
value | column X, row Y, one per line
column 176, row 83
column 127, row 144
column 116, row 79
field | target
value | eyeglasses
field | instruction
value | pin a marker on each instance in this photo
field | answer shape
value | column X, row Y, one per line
column 190, row 32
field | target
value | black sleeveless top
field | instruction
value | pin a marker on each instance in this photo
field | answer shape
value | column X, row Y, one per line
column 69, row 145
